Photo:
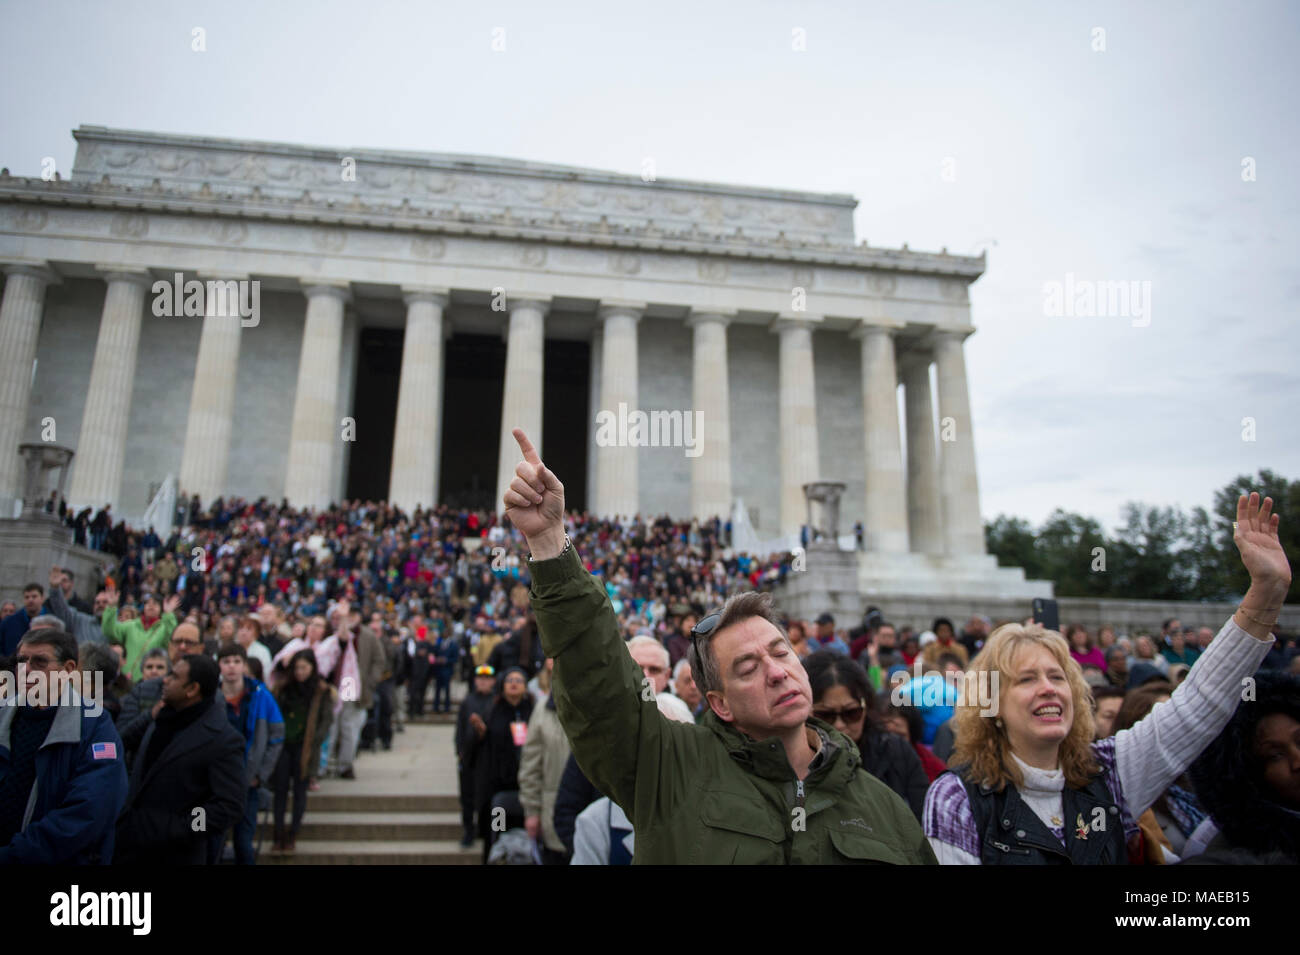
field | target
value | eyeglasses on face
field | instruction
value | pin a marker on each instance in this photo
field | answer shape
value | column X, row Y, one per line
column 185, row 642
column 36, row 661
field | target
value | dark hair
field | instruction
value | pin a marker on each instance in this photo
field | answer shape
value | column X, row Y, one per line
column 64, row 643
column 1168, row 621
column 36, row 587
column 99, row 658
column 204, row 672
column 938, row 622
column 295, row 688
column 828, row 669
column 915, row 723
column 1106, row 692
column 232, row 650
column 67, row 573
column 946, row 658
column 1139, row 701
column 1229, row 778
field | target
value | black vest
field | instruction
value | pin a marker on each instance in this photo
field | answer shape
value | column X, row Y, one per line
column 1011, row 834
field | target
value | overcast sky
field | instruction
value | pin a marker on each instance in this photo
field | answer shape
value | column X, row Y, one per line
column 958, row 124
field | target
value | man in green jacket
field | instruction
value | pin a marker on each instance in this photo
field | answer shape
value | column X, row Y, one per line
column 143, row 634
column 757, row 780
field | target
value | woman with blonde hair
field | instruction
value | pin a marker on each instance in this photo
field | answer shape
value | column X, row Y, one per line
column 1030, row 786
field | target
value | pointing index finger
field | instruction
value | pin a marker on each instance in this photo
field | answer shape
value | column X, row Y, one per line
column 526, row 447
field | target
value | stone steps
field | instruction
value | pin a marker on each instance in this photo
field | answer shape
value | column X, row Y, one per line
column 377, row 827
column 361, row 852
column 371, row 802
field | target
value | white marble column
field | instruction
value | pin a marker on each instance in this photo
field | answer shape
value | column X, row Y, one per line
column 417, row 434
column 800, row 463
column 885, row 525
column 711, row 396
column 593, row 404
column 101, row 445
column 20, row 327
column 206, row 454
column 316, row 426
column 958, row 484
column 521, row 405
column 923, row 514
column 617, row 487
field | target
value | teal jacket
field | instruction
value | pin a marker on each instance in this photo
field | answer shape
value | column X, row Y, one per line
column 704, row 793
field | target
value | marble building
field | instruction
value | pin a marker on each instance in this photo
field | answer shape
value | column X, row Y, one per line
column 412, row 308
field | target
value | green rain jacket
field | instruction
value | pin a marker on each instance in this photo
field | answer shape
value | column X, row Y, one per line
column 135, row 640
column 704, row 793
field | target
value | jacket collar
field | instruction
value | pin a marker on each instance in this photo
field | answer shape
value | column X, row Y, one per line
column 66, row 727
column 832, row 766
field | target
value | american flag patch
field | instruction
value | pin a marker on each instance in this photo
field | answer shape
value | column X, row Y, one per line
column 103, row 750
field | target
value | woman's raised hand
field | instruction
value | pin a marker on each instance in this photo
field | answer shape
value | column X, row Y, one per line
column 1255, row 534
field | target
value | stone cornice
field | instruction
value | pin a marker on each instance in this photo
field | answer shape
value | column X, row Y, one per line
column 309, row 210
column 446, row 162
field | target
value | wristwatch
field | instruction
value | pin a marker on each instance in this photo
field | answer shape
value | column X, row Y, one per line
column 567, row 545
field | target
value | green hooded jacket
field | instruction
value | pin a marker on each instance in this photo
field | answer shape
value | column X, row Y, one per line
column 703, row 793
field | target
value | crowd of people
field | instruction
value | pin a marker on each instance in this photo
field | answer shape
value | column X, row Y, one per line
column 261, row 648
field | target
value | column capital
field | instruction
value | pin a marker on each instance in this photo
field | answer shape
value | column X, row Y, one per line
column 613, row 308
column 412, row 294
column 541, row 303
column 957, row 333
column 340, row 290
column 120, row 273
column 704, row 316
column 37, row 270
column 786, row 321
column 870, row 327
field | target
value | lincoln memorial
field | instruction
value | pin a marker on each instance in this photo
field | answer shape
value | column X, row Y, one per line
column 410, row 308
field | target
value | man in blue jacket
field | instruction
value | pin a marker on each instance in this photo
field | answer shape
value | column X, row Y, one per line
column 16, row 624
column 62, row 777
column 253, row 712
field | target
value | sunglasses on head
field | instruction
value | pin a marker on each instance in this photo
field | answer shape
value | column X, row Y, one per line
column 703, row 629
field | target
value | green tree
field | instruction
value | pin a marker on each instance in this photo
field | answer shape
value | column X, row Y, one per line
column 1011, row 541
column 1286, row 502
column 1067, row 544
column 1151, row 556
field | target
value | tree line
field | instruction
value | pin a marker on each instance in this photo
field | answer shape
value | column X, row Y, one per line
column 1158, row 553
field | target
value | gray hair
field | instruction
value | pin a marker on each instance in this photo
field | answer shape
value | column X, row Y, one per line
column 47, row 622
column 641, row 641
column 683, row 664
column 738, row 608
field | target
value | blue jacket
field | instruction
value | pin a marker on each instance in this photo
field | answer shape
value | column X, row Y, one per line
column 262, row 727
column 80, row 788
column 13, row 627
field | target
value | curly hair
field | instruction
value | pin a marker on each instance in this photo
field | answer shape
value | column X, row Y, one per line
column 981, row 743
column 1229, row 778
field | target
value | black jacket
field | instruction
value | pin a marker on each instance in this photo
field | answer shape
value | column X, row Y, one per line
column 466, row 742
column 576, row 794
column 893, row 761
column 135, row 716
column 510, row 653
column 194, row 788
column 496, row 760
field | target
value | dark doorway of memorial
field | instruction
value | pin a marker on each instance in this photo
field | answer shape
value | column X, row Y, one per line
column 566, row 417
column 474, row 369
column 374, row 406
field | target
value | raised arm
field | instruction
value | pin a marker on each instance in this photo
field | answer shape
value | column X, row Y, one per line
column 616, row 731
column 1158, row 749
